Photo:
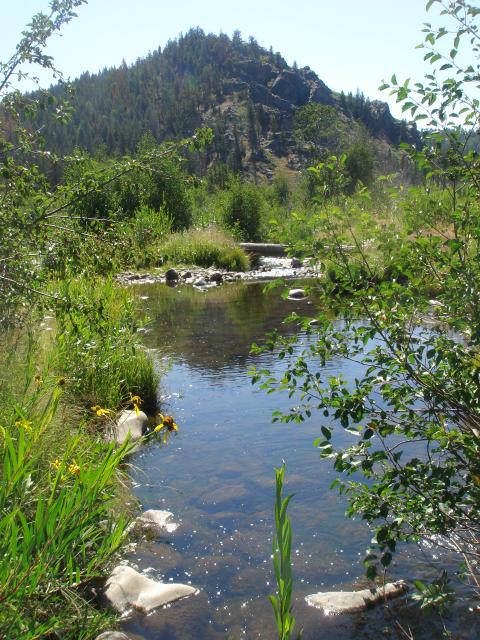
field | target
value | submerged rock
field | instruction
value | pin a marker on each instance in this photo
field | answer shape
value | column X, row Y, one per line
column 296, row 294
column 337, row 602
column 126, row 589
column 157, row 520
column 129, row 423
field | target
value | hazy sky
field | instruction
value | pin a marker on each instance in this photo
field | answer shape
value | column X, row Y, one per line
column 350, row 44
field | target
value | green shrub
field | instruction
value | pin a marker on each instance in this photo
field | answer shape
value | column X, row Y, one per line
column 208, row 207
column 426, row 208
column 359, row 166
column 205, row 248
column 164, row 186
column 149, row 226
column 243, row 213
column 281, row 188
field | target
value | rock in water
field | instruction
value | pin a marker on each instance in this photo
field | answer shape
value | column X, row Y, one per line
column 130, row 422
column 296, row 263
column 337, row 602
column 157, row 520
column 112, row 635
column 296, row 294
column 126, row 588
column 171, row 275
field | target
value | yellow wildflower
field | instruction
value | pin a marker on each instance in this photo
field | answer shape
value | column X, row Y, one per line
column 136, row 401
column 56, row 464
column 38, row 380
column 99, row 411
column 166, row 422
column 23, row 424
column 169, row 423
column 74, row 468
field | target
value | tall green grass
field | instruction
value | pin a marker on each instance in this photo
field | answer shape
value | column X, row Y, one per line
column 282, row 564
column 58, row 526
column 209, row 247
column 63, row 512
column 98, row 348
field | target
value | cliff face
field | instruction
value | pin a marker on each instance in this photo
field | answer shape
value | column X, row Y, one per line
column 249, row 96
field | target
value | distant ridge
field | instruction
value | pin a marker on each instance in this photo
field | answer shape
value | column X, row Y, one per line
column 251, row 98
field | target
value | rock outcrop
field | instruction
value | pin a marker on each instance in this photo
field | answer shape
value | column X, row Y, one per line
column 290, row 86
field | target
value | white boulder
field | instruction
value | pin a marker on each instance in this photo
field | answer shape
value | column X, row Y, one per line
column 337, row 602
column 129, row 422
column 126, row 589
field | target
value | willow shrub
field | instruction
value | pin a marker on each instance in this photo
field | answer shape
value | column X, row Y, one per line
column 98, row 345
column 411, row 468
column 57, row 523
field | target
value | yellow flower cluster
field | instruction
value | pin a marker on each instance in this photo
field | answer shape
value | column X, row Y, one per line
column 23, row 424
column 73, row 468
column 137, row 402
column 100, row 411
column 56, row 464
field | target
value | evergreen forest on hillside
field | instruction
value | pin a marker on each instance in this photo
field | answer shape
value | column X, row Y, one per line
column 260, row 110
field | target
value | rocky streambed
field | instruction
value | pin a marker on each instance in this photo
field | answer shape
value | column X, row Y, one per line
column 267, row 268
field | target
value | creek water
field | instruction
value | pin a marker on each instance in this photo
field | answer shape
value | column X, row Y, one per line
column 216, row 475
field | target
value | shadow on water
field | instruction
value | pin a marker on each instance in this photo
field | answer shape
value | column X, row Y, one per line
column 216, row 475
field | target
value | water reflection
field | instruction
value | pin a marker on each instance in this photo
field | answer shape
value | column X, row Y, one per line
column 216, row 475
column 213, row 330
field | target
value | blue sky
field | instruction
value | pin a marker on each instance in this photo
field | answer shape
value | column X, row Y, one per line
column 348, row 43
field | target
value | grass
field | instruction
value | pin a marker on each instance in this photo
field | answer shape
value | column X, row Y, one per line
column 63, row 504
column 209, row 247
column 98, row 348
column 282, row 564
column 60, row 515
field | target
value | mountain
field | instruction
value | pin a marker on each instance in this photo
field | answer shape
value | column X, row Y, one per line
column 264, row 113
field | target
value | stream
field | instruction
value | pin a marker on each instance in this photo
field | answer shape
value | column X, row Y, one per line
column 216, row 475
